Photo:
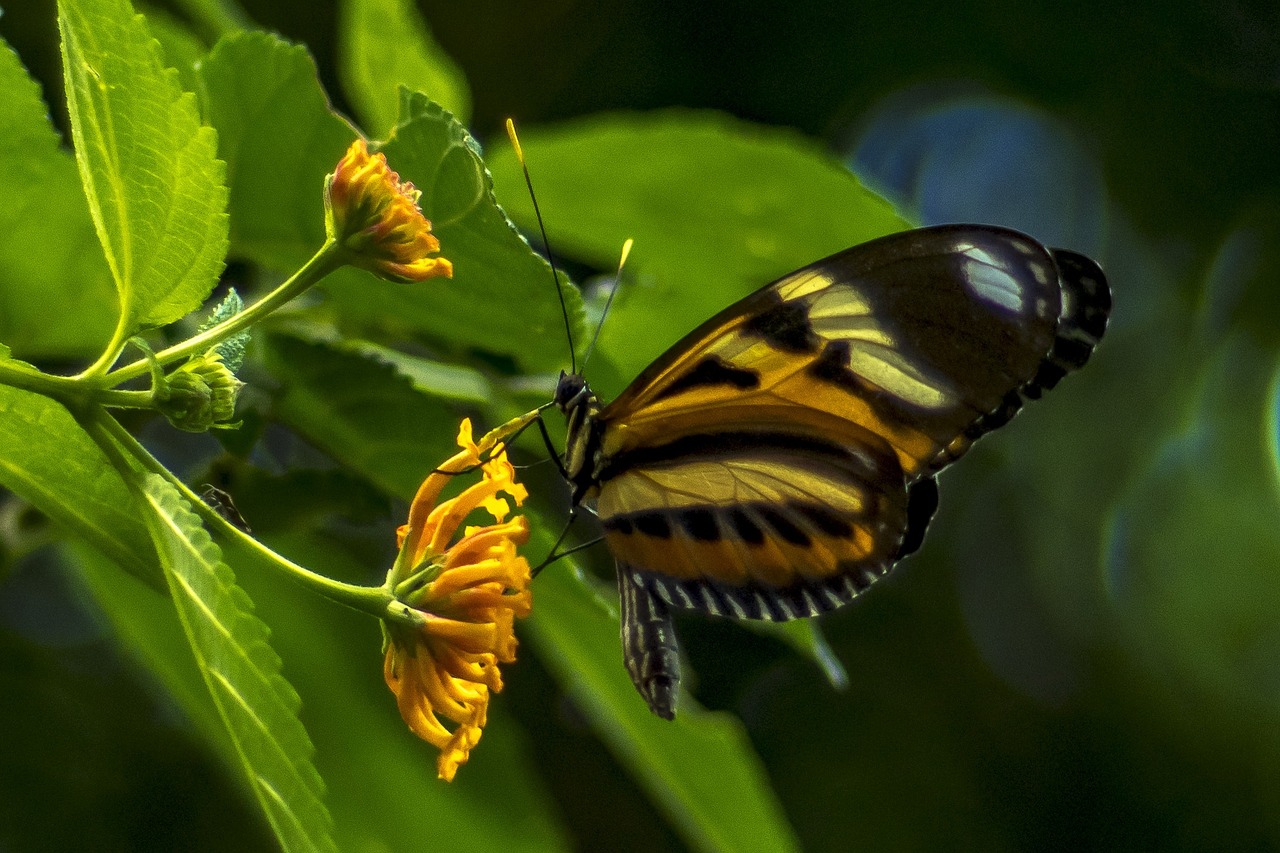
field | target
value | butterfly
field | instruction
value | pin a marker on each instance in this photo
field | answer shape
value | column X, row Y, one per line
column 783, row 456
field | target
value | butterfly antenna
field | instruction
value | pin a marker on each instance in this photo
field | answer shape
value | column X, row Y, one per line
column 626, row 250
column 546, row 244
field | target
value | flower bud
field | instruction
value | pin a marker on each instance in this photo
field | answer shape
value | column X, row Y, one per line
column 199, row 395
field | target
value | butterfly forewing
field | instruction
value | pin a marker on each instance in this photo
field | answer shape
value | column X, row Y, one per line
column 923, row 338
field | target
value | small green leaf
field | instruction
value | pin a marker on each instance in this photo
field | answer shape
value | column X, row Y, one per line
column 56, row 296
column 717, row 208
column 52, row 463
column 385, row 44
column 215, row 16
column 242, row 672
column 231, row 349
column 806, row 637
column 698, row 768
column 148, row 166
column 182, row 49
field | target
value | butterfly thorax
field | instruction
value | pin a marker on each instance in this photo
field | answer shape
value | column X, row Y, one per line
column 583, row 433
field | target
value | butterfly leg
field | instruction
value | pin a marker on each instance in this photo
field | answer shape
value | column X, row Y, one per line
column 649, row 646
column 551, row 448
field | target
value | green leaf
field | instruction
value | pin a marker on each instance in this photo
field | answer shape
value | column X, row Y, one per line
column 146, row 624
column 231, row 349
column 501, row 298
column 806, row 637
column 215, row 16
column 386, row 44
column 56, row 296
column 148, row 166
column 360, row 411
column 182, row 49
column 280, row 138
column 242, row 672
column 52, row 463
column 699, row 768
column 717, row 208
column 435, row 378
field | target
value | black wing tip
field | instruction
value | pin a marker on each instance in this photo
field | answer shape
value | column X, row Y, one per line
column 1086, row 305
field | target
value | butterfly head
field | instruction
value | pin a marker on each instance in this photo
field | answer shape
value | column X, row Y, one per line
column 571, row 392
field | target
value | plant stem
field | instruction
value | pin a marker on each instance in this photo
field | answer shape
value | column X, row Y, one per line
column 113, row 349
column 68, row 390
column 323, row 262
column 373, row 600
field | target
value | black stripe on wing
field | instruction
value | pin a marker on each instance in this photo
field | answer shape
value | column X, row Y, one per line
column 738, row 442
column 805, row 597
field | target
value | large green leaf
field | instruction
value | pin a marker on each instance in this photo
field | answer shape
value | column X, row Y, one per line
column 51, row 462
column 361, row 411
column 242, row 672
column 700, row 768
column 147, row 625
column 717, row 208
column 280, row 138
column 56, row 297
column 148, row 166
column 386, row 44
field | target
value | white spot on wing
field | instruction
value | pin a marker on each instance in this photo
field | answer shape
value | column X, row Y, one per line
column 992, row 283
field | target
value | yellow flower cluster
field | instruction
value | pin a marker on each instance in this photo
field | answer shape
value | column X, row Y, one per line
column 375, row 217
column 466, row 595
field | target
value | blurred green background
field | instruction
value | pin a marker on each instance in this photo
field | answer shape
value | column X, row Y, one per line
column 1086, row 652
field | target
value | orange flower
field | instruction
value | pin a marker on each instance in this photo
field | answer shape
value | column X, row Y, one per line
column 465, row 595
column 376, row 218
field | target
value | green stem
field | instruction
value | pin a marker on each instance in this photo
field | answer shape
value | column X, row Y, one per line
column 113, row 349
column 323, row 262
column 373, row 600
column 71, row 391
